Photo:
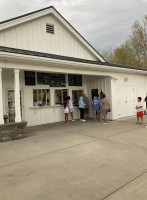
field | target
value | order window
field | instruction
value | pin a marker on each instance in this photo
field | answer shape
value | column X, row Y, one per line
column 41, row 97
column 75, row 96
column 60, row 96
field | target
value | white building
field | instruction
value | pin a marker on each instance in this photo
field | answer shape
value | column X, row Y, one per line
column 43, row 58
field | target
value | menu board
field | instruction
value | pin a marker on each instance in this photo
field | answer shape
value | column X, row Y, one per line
column 30, row 78
column 74, row 80
column 43, row 78
column 54, row 80
column 57, row 80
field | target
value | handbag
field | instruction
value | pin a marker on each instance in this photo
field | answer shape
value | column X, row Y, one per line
column 109, row 108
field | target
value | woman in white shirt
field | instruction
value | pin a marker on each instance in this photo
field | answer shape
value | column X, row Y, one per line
column 139, row 108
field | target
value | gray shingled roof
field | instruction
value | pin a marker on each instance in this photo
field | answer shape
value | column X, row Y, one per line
column 53, row 56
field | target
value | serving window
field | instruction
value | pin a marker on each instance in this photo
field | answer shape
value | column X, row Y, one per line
column 60, row 96
column 75, row 96
column 41, row 97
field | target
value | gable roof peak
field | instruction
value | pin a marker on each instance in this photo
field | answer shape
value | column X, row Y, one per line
column 30, row 13
column 45, row 11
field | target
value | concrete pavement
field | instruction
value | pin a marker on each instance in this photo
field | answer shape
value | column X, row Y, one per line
column 78, row 161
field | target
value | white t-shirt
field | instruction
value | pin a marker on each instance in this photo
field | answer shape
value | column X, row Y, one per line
column 138, row 105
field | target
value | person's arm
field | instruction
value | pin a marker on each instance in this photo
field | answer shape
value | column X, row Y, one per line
column 83, row 103
column 139, row 106
column 102, row 102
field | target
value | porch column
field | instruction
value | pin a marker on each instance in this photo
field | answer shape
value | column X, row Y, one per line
column 1, row 99
column 17, row 96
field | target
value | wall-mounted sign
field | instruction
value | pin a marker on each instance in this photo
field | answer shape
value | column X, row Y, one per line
column 30, row 78
column 43, row 78
column 74, row 80
column 54, row 80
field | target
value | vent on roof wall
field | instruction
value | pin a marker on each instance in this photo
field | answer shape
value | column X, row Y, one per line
column 50, row 28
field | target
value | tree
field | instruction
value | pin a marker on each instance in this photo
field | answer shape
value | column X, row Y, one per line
column 139, row 41
column 132, row 52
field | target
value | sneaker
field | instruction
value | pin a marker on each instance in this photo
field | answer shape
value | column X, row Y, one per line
column 137, row 122
column 83, row 120
column 105, row 123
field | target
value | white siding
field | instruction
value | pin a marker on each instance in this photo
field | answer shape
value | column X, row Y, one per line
column 115, row 90
column 32, row 36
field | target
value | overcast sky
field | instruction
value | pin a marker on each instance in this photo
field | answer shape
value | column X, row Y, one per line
column 103, row 23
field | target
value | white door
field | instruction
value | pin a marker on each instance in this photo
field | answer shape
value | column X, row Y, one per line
column 131, row 101
column 126, row 101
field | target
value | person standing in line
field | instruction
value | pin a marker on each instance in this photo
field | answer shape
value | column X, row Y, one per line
column 145, row 100
column 96, row 102
column 86, row 109
column 71, row 108
column 81, row 108
column 105, row 106
column 66, row 109
column 139, row 108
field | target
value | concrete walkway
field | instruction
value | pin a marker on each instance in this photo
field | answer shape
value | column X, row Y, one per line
column 78, row 161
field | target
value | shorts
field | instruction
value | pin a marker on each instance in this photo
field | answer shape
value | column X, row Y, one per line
column 86, row 110
column 96, row 111
column 71, row 110
column 66, row 110
column 140, row 114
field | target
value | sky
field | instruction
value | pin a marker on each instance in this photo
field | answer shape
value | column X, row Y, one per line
column 105, row 24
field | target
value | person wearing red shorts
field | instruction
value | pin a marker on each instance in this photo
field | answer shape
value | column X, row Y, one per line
column 139, row 108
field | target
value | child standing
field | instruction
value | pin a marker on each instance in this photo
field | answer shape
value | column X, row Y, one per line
column 66, row 109
column 96, row 103
column 139, row 108
column 71, row 108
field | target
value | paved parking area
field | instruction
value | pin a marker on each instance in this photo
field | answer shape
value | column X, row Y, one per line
column 78, row 161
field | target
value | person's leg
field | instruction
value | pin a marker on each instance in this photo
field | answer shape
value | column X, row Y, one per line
column 94, row 114
column 141, row 117
column 95, row 117
column 104, row 113
column 72, row 115
column 106, row 117
column 66, row 119
column 86, row 115
column 82, row 113
column 99, row 116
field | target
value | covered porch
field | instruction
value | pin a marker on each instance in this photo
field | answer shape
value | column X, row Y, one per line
column 41, row 104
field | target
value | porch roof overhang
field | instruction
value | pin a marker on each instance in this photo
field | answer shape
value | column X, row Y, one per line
column 38, row 61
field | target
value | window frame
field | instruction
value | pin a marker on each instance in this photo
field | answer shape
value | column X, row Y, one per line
column 77, row 95
column 61, row 89
column 48, row 91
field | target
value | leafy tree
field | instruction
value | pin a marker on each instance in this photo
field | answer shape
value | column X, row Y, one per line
column 132, row 52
